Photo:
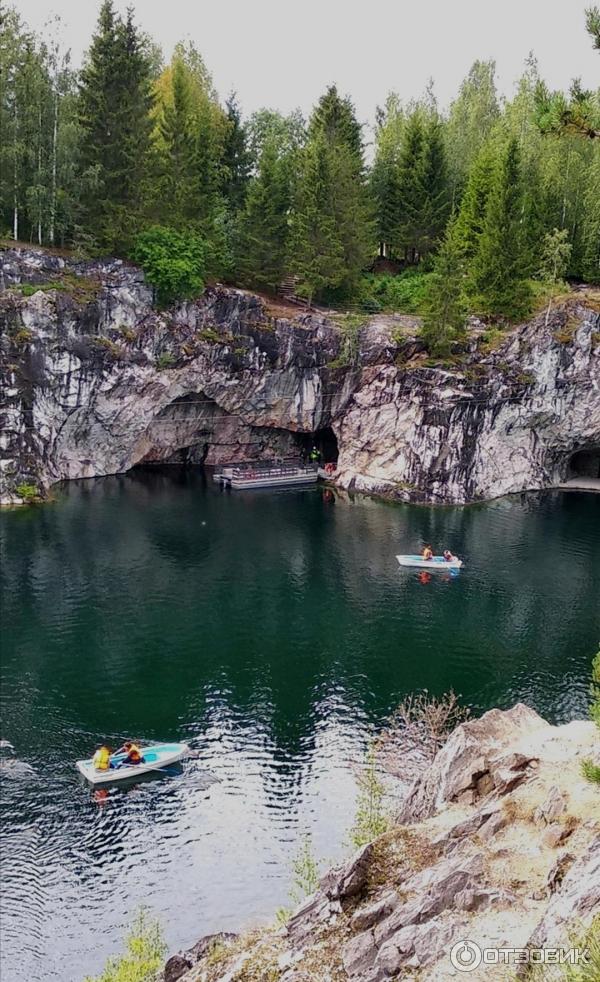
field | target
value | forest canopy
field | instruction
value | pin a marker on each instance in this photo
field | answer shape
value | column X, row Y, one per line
column 451, row 210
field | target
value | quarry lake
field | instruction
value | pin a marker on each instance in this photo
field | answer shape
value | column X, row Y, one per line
column 273, row 631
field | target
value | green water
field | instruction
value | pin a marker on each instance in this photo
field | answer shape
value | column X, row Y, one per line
column 273, row 630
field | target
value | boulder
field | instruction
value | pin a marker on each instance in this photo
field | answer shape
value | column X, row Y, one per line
column 417, row 946
column 350, row 879
column 475, row 760
column 366, row 917
column 177, row 966
column 359, row 954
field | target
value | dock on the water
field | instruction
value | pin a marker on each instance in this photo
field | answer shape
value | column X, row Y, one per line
column 267, row 474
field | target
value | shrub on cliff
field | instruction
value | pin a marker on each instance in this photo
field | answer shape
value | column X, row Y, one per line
column 595, row 691
column 174, row 262
column 591, row 770
column 143, row 957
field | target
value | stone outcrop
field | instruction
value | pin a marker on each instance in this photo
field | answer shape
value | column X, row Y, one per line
column 470, row 861
column 96, row 380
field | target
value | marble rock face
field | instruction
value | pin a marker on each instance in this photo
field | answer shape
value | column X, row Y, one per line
column 95, row 379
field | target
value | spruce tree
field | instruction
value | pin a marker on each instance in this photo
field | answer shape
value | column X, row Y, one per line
column 446, row 309
column 334, row 118
column 384, row 174
column 430, row 220
column 410, row 186
column 316, row 251
column 264, row 228
column 114, row 105
column 499, row 264
column 177, row 159
column 236, row 157
column 473, row 207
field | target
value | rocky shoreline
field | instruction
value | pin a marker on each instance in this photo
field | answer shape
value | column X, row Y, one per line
column 96, row 380
column 497, row 843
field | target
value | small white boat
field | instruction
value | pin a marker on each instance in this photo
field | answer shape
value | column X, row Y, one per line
column 156, row 757
column 436, row 562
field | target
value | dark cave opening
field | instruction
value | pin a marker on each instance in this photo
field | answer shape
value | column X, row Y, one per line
column 585, row 463
column 324, row 440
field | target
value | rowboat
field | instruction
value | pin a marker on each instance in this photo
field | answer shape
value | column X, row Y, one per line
column 156, row 757
column 436, row 562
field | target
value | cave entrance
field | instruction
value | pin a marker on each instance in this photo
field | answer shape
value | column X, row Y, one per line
column 324, row 440
column 584, row 464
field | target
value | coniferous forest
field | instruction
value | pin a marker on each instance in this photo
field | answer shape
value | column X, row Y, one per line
column 444, row 213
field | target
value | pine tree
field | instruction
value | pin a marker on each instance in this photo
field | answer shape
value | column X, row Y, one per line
column 499, row 264
column 446, row 309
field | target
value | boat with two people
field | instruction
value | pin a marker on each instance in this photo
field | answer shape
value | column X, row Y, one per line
column 105, row 766
column 427, row 560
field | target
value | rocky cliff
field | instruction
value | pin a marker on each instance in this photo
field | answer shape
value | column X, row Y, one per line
column 96, row 380
column 497, row 845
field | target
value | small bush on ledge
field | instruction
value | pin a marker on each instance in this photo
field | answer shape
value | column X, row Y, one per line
column 28, row 492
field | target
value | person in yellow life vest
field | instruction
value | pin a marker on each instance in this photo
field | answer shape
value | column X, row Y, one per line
column 132, row 752
column 101, row 759
column 427, row 554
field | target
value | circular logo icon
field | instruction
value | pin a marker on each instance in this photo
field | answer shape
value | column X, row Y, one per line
column 465, row 956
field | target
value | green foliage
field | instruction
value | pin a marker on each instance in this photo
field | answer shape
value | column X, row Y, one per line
column 28, row 492
column 595, row 691
column 306, row 871
column 498, row 268
column 263, row 235
column 165, row 360
column 405, row 293
column 143, row 958
column 172, row 261
column 588, row 971
column 114, row 106
column 556, row 253
column 371, row 818
column 332, row 231
column 446, row 308
column 590, row 771
column 473, row 115
column 236, row 156
column 95, row 157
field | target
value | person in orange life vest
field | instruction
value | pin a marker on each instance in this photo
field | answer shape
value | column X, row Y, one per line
column 427, row 554
column 101, row 759
column 133, row 754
